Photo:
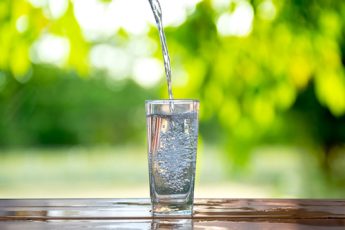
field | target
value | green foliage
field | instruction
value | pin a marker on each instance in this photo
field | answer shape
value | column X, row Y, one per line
column 249, row 85
column 23, row 23
column 63, row 109
column 282, row 82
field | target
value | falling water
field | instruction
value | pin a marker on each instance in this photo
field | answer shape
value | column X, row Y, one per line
column 157, row 11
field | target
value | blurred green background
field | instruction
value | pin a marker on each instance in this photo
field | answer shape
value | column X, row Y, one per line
column 270, row 76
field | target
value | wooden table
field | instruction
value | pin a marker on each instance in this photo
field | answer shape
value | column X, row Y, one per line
column 135, row 214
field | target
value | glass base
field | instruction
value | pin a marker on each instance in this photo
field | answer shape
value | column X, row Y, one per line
column 168, row 209
column 163, row 223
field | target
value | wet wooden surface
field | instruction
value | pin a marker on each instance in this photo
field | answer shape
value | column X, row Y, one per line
column 135, row 214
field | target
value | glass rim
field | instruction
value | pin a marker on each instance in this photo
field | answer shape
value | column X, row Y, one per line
column 167, row 101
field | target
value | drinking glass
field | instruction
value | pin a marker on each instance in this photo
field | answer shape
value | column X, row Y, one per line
column 172, row 134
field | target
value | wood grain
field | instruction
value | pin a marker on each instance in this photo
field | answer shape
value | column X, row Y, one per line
column 136, row 213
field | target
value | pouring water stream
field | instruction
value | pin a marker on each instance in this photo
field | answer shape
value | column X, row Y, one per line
column 157, row 11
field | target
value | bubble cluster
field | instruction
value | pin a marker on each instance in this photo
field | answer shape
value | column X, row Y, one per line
column 174, row 159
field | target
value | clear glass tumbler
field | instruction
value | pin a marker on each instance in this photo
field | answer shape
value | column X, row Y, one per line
column 172, row 133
